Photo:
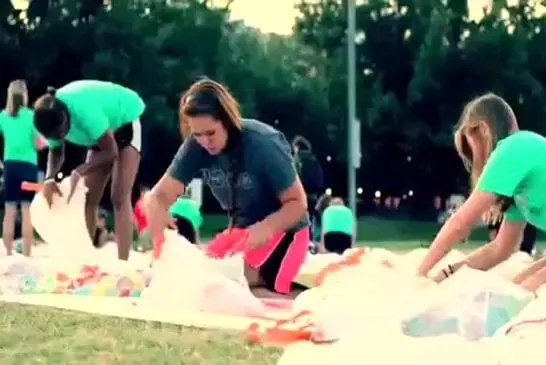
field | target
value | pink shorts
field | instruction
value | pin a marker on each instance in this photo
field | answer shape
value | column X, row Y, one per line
column 278, row 261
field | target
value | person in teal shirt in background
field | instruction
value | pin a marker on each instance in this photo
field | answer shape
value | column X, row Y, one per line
column 105, row 118
column 21, row 141
column 338, row 227
column 188, row 218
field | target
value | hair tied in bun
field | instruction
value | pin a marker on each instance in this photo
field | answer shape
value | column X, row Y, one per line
column 51, row 90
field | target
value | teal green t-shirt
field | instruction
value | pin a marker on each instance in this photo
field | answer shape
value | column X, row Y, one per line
column 187, row 208
column 19, row 136
column 96, row 107
column 517, row 168
column 338, row 219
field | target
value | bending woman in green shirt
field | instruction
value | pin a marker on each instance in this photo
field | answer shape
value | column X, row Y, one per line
column 105, row 118
column 21, row 141
column 507, row 168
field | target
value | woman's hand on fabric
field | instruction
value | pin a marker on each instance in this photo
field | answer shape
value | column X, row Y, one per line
column 50, row 189
column 157, row 215
column 258, row 235
column 438, row 278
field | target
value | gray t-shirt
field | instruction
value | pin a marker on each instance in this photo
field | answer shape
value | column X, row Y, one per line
column 266, row 171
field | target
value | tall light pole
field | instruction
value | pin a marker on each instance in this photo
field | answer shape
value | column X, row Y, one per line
column 353, row 132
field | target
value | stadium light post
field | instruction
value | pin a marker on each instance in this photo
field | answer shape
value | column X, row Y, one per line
column 353, row 130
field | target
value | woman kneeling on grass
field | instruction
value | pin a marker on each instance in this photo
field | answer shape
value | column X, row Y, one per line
column 249, row 167
column 507, row 169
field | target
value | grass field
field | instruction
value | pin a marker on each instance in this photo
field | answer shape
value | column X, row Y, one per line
column 31, row 335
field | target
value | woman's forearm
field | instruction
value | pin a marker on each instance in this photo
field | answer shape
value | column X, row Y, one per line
column 483, row 258
column 486, row 257
column 288, row 216
column 453, row 231
column 99, row 160
column 55, row 160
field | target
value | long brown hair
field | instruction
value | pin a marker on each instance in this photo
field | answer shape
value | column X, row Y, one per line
column 485, row 120
column 17, row 97
column 208, row 97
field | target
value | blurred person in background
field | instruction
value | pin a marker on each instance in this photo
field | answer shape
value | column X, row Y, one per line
column 529, row 239
column 316, row 223
column 187, row 217
column 338, row 227
column 21, row 143
column 311, row 175
column 494, row 220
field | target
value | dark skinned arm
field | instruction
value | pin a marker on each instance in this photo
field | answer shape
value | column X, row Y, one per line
column 55, row 159
column 107, row 153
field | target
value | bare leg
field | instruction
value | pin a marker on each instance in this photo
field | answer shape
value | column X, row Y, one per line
column 28, row 231
column 96, row 183
column 123, row 178
column 8, row 227
column 252, row 276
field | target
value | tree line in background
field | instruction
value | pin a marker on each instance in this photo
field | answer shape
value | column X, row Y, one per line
column 418, row 62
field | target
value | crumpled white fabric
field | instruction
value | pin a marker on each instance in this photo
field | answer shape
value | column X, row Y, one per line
column 472, row 303
column 63, row 226
column 186, row 279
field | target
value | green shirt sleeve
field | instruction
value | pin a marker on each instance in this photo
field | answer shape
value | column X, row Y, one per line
column 53, row 143
column 513, row 214
column 506, row 168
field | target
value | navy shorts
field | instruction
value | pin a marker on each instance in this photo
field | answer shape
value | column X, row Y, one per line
column 15, row 173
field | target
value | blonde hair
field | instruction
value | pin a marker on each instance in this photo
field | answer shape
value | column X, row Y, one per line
column 208, row 97
column 486, row 120
column 17, row 97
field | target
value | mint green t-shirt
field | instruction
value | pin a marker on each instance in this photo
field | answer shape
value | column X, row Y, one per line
column 339, row 219
column 19, row 136
column 96, row 107
column 517, row 168
column 187, row 208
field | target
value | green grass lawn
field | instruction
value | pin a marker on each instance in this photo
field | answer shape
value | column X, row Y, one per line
column 33, row 335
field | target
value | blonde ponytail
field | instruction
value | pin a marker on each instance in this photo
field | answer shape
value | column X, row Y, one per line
column 17, row 97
